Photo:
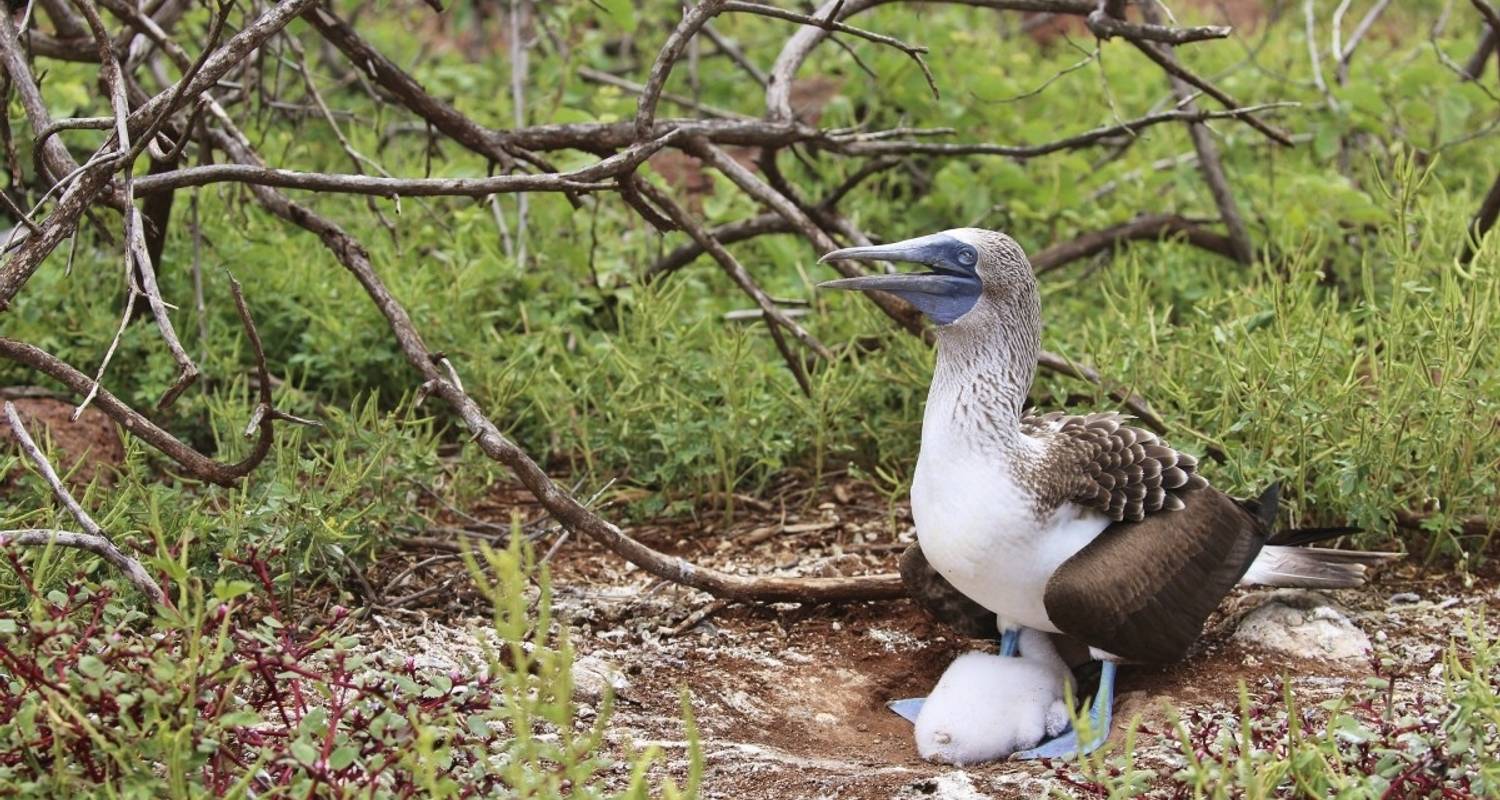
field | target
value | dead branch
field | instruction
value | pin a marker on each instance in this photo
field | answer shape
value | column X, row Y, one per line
column 1137, row 404
column 1208, row 155
column 1104, row 26
column 1474, row 68
column 94, row 178
column 93, row 540
column 594, row 177
column 773, row 315
column 726, row 234
column 1162, row 55
column 598, row 76
column 1145, row 228
column 1346, row 54
column 198, row 465
column 1187, row 113
column 1491, row 16
column 695, row 18
column 107, row 179
column 562, row 505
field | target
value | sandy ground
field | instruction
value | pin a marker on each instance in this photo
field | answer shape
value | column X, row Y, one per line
column 790, row 700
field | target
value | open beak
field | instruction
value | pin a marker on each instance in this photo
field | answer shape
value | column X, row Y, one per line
column 932, row 251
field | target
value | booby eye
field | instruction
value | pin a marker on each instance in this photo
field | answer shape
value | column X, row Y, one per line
column 967, row 257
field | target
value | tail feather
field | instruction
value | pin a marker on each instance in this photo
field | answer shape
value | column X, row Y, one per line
column 1293, row 537
column 1312, row 567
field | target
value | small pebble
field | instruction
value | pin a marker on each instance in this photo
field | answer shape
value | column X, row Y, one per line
column 1405, row 597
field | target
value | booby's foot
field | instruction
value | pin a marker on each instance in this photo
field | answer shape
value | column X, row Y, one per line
column 908, row 709
column 1101, row 715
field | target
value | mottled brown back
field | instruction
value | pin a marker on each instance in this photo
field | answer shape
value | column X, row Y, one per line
column 1099, row 462
column 1142, row 590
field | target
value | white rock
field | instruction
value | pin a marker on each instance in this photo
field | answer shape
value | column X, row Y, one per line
column 592, row 675
column 948, row 786
column 1305, row 625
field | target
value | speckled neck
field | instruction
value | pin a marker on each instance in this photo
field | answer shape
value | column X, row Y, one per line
column 985, row 365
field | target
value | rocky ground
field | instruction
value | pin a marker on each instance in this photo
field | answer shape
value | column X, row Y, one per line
column 790, row 700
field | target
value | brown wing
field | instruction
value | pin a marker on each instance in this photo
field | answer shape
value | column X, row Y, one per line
column 935, row 595
column 1124, row 472
column 1142, row 590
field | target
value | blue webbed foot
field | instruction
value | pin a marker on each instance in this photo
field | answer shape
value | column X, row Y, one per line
column 1101, row 714
column 908, row 708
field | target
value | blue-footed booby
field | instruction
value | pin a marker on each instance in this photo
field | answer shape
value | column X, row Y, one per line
column 1079, row 525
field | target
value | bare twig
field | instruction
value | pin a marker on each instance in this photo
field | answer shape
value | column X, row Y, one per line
column 198, row 465
column 1346, row 54
column 597, row 76
column 93, row 539
column 495, row 444
column 735, row 54
column 695, row 18
column 1187, row 114
column 1149, row 227
column 828, row 23
column 1208, row 157
column 1137, row 404
column 1474, row 68
column 590, row 178
column 1105, row 27
column 737, row 272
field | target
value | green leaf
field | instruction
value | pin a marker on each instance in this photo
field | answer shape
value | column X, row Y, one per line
column 342, row 757
column 304, row 752
column 621, row 13
column 91, row 666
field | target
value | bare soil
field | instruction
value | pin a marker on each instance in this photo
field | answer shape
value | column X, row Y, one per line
column 83, row 450
column 790, row 700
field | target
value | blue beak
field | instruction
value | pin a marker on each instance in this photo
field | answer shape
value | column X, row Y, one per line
column 944, row 294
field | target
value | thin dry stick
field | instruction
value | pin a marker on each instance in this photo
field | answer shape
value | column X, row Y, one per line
column 735, row 54
column 562, row 505
column 93, row 539
column 593, row 177
column 894, row 307
column 598, row 76
column 518, row 68
column 695, row 18
column 1208, row 159
column 1483, row 221
column 1104, row 26
column 82, row 191
column 771, row 312
column 1189, row 114
column 1365, row 23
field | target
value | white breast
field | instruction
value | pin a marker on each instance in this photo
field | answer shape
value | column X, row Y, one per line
column 977, row 528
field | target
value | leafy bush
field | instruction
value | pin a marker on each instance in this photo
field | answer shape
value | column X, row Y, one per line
column 227, row 696
column 1392, row 736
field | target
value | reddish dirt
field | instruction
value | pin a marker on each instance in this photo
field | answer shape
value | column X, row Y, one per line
column 790, row 700
column 82, row 450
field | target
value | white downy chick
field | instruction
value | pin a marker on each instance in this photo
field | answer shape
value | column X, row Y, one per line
column 986, row 706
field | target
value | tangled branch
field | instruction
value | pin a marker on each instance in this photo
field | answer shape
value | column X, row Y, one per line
column 189, row 115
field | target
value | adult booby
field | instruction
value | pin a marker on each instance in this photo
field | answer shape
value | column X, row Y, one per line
column 1080, row 525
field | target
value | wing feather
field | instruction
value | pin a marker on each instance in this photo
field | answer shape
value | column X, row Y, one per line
column 1105, row 464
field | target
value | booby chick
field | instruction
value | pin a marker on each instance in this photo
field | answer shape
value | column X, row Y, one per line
column 960, row 724
column 1082, row 525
